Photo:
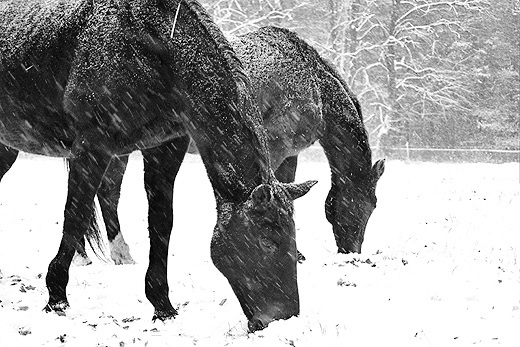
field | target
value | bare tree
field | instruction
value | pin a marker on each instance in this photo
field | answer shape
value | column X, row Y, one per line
column 241, row 16
column 412, row 63
column 396, row 56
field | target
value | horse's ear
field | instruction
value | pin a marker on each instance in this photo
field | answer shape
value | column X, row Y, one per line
column 262, row 195
column 378, row 169
column 297, row 190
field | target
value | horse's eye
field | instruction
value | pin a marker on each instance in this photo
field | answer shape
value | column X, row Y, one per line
column 268, row 245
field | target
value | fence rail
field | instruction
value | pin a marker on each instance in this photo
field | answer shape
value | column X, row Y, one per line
column 453, row 150
column 451, row 154
column 436, row 154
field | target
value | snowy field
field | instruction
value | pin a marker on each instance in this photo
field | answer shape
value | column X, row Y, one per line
column 440, row 265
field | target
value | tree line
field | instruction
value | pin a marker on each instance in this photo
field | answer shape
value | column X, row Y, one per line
column 428, row 73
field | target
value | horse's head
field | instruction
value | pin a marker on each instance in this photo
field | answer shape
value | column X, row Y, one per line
column 254, row 247
column 349, row 207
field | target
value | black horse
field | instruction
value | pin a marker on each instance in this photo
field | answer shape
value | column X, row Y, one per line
column 89, row 80
column 302, row 99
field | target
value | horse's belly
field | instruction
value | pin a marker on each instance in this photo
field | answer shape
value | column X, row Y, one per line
column 34, row 127
column 30, row 138
column 154, row 134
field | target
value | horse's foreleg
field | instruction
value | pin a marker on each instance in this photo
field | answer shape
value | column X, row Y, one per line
column 108, row 195
column 161, row 165
column 7, row 158
column 286, row 172
column 86, row 171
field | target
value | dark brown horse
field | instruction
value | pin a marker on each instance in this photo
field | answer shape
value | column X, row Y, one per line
column 89, row 80
column 302, row 99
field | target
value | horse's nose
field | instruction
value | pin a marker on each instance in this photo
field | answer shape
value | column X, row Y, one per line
column 255, row 324
column 262, row 319
column 349, row 249
column 356, row 247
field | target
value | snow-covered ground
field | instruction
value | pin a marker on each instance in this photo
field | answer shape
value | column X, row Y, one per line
column 440, row 265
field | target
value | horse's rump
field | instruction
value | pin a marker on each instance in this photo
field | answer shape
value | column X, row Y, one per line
column 29, row 27
column 286, row 90
column 275, row 66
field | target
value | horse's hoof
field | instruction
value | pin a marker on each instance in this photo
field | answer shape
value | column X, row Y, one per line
column 164, row 316
column 81, row 259
column 122, row 259
column 119, row 251
column 59, row 308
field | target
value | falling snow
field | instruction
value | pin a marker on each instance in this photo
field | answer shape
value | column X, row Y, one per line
column 439, row 265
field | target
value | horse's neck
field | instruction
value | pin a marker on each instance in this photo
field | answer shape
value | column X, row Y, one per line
column 345, row 139
column 233, row 148
column 226, row 124
column 233, row 164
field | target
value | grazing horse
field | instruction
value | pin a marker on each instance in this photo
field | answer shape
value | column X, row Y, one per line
column 89, row 80
column 302, row 99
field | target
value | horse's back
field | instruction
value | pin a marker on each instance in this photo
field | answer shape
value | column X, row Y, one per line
column 286, row 89
column 275, row 65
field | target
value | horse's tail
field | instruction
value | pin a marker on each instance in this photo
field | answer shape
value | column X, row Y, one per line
column 313, row 58
column 93, row 232
column 93, row 235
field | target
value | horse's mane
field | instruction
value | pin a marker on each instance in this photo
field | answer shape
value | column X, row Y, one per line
column 330, row 68
column 30, row 26
column 243, row 90
column 220, row 40
column 316, row 61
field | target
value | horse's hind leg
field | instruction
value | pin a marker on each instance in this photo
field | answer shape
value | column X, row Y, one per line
column 86, row 171
column 108, row 195
column 161, row 165
column 286, row 172
column 7, row 158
